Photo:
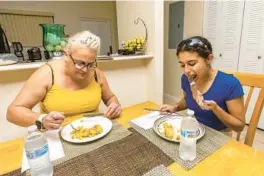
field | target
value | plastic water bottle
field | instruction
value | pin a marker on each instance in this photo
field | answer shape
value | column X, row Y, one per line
column 189, row 131
column 37, row 152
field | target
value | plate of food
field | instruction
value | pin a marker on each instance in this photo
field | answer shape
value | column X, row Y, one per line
column 169, row 128
column 86, row 129
column 7, row 62
column 8, row 58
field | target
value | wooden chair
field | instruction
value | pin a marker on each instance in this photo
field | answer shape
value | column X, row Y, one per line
column 252, row 81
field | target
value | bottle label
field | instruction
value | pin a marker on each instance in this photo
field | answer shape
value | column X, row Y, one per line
column 190, row 134
column 33, row 154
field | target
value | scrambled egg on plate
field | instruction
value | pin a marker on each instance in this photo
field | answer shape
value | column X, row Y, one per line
column 168, row 131
column 82, row 132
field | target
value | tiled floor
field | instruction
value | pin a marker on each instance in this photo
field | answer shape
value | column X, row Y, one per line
column 259, row 136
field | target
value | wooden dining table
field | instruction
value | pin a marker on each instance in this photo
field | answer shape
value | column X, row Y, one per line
column 234, row 158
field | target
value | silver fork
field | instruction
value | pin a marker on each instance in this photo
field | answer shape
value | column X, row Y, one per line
column 190, row 79
column 73, row 126
column 192, row 84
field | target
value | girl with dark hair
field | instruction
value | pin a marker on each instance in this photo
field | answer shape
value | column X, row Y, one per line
column 215, row 96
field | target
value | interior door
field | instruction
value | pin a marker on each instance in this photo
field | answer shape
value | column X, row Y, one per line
column 176, row 23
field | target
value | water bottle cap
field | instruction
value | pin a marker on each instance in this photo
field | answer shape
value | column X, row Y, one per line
column 32, row 128
column 190, row 112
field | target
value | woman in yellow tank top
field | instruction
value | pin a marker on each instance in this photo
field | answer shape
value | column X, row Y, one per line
column 66, row 87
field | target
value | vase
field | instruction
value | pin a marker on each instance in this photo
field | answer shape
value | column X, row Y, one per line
column 53, row 39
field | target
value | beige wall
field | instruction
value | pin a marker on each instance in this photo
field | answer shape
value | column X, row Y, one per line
column 10, row 84
column 193, row 18
column 128, row 30
column 125, row 21
column 69, row 13
column 193, row 23
column 147, row 11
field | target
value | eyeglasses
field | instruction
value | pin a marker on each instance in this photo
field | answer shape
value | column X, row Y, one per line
column 192, row 43
column 80, row 64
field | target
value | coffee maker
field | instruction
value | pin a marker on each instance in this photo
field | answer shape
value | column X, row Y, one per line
column 4, row 46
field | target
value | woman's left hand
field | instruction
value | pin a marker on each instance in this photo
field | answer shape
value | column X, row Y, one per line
column 113, row 110
column 212, row 105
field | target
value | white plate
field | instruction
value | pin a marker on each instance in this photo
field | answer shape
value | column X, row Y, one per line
column 87, row 122
column 175, row 121
column 7, row 62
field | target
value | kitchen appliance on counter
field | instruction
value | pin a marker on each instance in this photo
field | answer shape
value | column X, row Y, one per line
column 34, row 54
column 6, row 58
column 18, row 50
column 4, row 46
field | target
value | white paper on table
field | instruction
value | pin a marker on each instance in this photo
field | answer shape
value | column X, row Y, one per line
column 55, row 148
column 147, row 121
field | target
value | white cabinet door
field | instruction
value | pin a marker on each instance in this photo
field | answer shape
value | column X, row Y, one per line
column 252, row 41
column 251, row 57
column 232, row 16
column 222, row 27
column 212, row 23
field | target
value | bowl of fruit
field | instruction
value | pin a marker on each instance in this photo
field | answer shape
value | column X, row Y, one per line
column 137, row 45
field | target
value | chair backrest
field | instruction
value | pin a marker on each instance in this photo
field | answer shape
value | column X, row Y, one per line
column 252, row 81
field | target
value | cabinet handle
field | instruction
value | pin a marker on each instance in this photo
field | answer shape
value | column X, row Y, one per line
column 220, row 55
column 259, row 57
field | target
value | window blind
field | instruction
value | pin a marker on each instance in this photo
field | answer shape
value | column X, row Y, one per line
column 23, row 26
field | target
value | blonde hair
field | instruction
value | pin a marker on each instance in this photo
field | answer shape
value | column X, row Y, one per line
column 83, row 39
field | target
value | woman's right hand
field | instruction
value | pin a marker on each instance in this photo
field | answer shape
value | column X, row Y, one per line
column 53, row 120
column 198, row 97
column 168, row 108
